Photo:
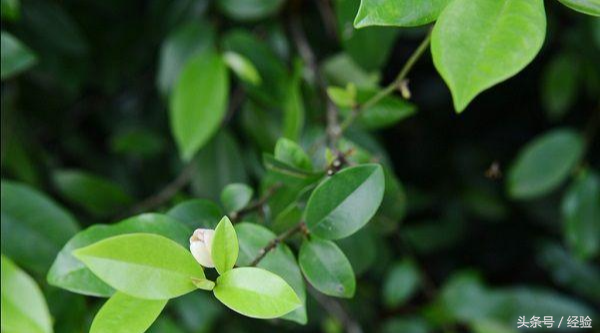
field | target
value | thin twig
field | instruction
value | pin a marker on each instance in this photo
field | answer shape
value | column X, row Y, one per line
column 166, row 193
column 395, row 85
column 257, row 205
column 300, row 227
column 337, row 310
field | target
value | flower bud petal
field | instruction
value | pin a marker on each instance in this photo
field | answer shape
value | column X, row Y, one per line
column 201, row 245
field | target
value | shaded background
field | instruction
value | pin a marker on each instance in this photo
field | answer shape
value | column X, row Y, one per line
column 95, row 101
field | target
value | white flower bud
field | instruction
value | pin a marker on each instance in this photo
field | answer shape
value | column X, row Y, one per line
column 201, row 245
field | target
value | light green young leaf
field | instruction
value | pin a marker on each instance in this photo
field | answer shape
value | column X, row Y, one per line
column 199, row 102
column 344, row 203
column 242, row 67
column 204, row 284
column 342, row 97
column 478, row 44
column 225, row 246
column 256, row 293
column 326, row 268
column 590, row 7
column 30, row 217
column 401, row 283
column 126, row 314
column 69, row 273
column 97, row 195
column 280, row 261
column 398, row 13
column 188, row 40
column 581, row 215
column 290, row 152
column 24, row 308
column 16, row 57
column 544, row 163
column 236, row 196
column 145, row 266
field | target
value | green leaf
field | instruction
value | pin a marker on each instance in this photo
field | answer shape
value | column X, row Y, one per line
column 236, row 196
column 281, row 261
column 343, row 97
column 197, row 213
column 69, row 273
column 560, row 84
column 291, row 153
column 406, row 324
column 225, row 246
column 249, row 10
column 187, row 41
column 581, row 215
column 16, row 57
column 544, row 163
column 398, row 13
column 388, row 111
column 99, row 196
column 478, row 44
column 11, row 10
column 142, row 265
column 242, row 67
column 401, row 283
column 218, row 165
column 256, row 293
column 590, row 7
column 199, row 102
column 23, row 306
column 193, row 320
column 30, row 217
column 326, row 268
column 126, row 314
column 344, row 203
column 342, row 70
column 203, row 284
column 293, row 106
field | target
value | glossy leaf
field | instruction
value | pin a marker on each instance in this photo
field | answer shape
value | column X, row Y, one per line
column 197, row 213
column 24, row 308
column 281, row 261
column 398, row 13
column 326, row 268
column 344, row 203
column 256, row 293
column 225, row 246
column 145, row 266
column 590, row 7
column 242, row 67
column 186, row 42
column 581, row 215
column 388, row 111
column 69, row 273
column 544, row 163
column 199, row 102
column 99, row 196
column 16, row 57
column 30, row 217
column 126, row 314
column 236, row 196
column 478, row 44
column 401, row 283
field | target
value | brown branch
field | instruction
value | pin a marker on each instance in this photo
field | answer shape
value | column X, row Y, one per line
column 337, row 310
column 300, row 227
column 166, row 193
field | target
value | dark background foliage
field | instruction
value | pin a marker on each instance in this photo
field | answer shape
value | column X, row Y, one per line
column 92, row 103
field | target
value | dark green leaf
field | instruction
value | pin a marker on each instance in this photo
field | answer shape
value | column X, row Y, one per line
column 326, row 268
column 236, row 196
column 197, row 213
column 11, row 9
column 401, row 283
column 399, row 13
column 344, row 203
column 16, row 57
column 30, row 217
column 590, row 7
column 384, row 113
column 560, row 85
column 544, row 163
column 291, row 153
column 249, row 10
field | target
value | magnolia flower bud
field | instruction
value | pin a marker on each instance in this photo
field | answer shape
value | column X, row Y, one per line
column 201, row 245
